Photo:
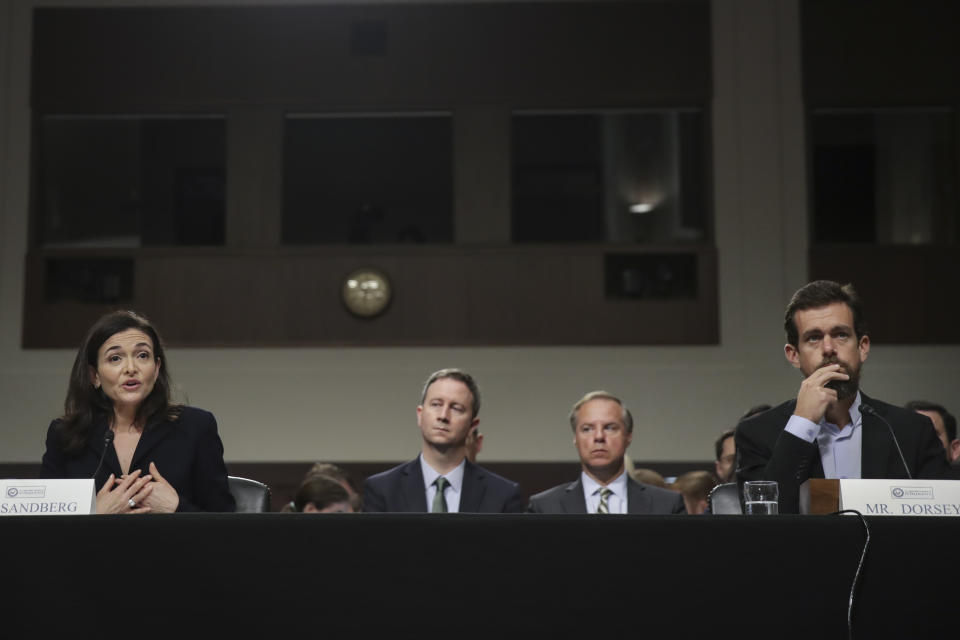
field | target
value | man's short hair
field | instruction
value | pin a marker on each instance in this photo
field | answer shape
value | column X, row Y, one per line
column 460, row 376
column 718, row 445
column 626, row 417
column 821, row 293
column 949, row 422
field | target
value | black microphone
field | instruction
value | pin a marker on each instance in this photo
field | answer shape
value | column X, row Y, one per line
column 870, row 411
column 107, row 441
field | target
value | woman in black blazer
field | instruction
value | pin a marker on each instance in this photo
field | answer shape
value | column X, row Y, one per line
column 145, row 453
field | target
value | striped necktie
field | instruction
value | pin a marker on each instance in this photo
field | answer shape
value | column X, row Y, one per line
column 603, row 507
column 439, row 501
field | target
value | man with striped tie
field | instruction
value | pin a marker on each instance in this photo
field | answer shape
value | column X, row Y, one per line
column 602, row 431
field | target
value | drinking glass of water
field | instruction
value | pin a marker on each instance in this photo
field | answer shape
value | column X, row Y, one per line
column 760, row 497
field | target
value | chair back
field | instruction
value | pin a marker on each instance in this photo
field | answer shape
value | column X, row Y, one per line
column 251, row 496
column 725, row 499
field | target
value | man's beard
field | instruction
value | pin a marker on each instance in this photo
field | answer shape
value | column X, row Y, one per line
column 844, row 388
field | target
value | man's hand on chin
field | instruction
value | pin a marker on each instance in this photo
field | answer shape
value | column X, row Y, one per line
column 815, row 396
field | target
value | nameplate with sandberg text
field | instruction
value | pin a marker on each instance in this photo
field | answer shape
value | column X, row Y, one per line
column 47, row 497
column 901, row 497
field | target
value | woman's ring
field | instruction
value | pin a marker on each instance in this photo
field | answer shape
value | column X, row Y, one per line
column 131, row 503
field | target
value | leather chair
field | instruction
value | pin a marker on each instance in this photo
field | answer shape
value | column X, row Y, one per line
column 725, row 499
column 251, row 496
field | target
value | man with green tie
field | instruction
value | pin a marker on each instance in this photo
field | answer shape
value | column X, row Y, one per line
column 441, row 479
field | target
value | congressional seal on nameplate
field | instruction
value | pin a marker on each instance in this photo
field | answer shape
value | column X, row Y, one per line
column 901, row 497
column 47, row 497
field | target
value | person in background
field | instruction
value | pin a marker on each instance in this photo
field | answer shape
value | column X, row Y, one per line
column 943, row 423
column 333, row 472
column 602, row 431
column 726, row 452
column 725, row 449
column 322, row 494
column 695, row 487
column 120, row 427
column 441, row 479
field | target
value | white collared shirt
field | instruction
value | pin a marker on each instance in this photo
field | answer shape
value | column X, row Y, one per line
column 616, row 502
column 840, row 449
column 452, row 494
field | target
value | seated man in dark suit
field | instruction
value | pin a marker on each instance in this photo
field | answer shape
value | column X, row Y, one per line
column 441, row 479
column 602, row 431
column 831, row 429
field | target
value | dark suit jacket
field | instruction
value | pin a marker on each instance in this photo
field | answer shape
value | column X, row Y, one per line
column 766, row 452
column 187, row 451
column 641, row 499
column 401, row 489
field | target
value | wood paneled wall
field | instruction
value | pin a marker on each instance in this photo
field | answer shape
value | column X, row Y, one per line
column 441, row 296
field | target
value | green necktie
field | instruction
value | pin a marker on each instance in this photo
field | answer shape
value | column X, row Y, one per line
column 603, row 507
column 439, row 502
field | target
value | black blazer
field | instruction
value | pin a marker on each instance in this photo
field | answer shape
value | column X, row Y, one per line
column 187, row 451
column 766, row 452
column 401, row 490
column 641, row 499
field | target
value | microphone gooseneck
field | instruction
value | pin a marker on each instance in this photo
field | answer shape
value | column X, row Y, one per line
column 107, row 441
column 870, row 411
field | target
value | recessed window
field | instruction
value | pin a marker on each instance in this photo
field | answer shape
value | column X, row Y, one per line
column 368, row 179
column 886, row 176
column 610, row 177
column 89, row 280
column 130, row 181
column 650, row 276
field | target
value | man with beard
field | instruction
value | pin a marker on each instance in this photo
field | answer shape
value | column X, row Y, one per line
column 832, row 429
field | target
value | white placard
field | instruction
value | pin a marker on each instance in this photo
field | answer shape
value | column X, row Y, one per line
column 901, row 497
column 47, row 497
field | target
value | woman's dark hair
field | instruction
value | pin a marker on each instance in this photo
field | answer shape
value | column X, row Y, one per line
column 322, row 491
column 85, row 403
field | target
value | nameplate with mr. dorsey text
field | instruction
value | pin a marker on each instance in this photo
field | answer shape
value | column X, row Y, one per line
column 47, row 497
column 901, row 497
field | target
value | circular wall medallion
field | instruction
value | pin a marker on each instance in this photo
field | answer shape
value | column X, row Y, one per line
column 366, row 292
